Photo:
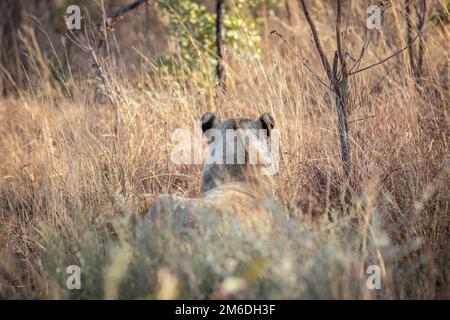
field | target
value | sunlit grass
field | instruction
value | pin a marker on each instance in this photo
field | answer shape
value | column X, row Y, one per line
column 68, row 197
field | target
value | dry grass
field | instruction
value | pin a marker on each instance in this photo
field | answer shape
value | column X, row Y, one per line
column 67, row 196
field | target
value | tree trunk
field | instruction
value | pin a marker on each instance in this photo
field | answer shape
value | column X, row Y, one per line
column 11, row 59
column 341, row 89
column 416, row 60
column 219, row 43
column 341, row 106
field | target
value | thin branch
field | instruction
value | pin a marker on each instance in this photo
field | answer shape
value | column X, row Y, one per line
column 367, row 40
column 350, row 56
column 375, row 86
column 347, row 20
column 325, row 63
column 107, row 23
column 339, row 44
column 121, row 11
column 362, row 119
column 298, row 57
column 387, row 58
column 408, row 34
column 384, row 4
column 422, row 12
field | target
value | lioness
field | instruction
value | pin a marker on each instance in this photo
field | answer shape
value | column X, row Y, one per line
column 237, row 178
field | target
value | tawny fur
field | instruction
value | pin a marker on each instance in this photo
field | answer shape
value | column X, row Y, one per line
column 242, row 191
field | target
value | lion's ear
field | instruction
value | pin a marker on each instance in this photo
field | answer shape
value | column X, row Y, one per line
column 265, row 122
column 209, row 121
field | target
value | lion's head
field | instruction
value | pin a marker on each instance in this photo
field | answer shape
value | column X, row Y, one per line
column 238, row 151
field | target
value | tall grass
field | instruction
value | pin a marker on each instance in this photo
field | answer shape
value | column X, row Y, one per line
column 67, row 196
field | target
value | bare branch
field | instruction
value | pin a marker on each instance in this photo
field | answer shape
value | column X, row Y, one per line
column 375, row 87
column 384, row 4
column 325, row 63
column 107, row 23
column 303, row 61
column 422, row 12
column 347, row 20
column 340, row 50
column 362, row 119
column 387, row 58
column 408, row 34
column 367, row 41
column 121, row 11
